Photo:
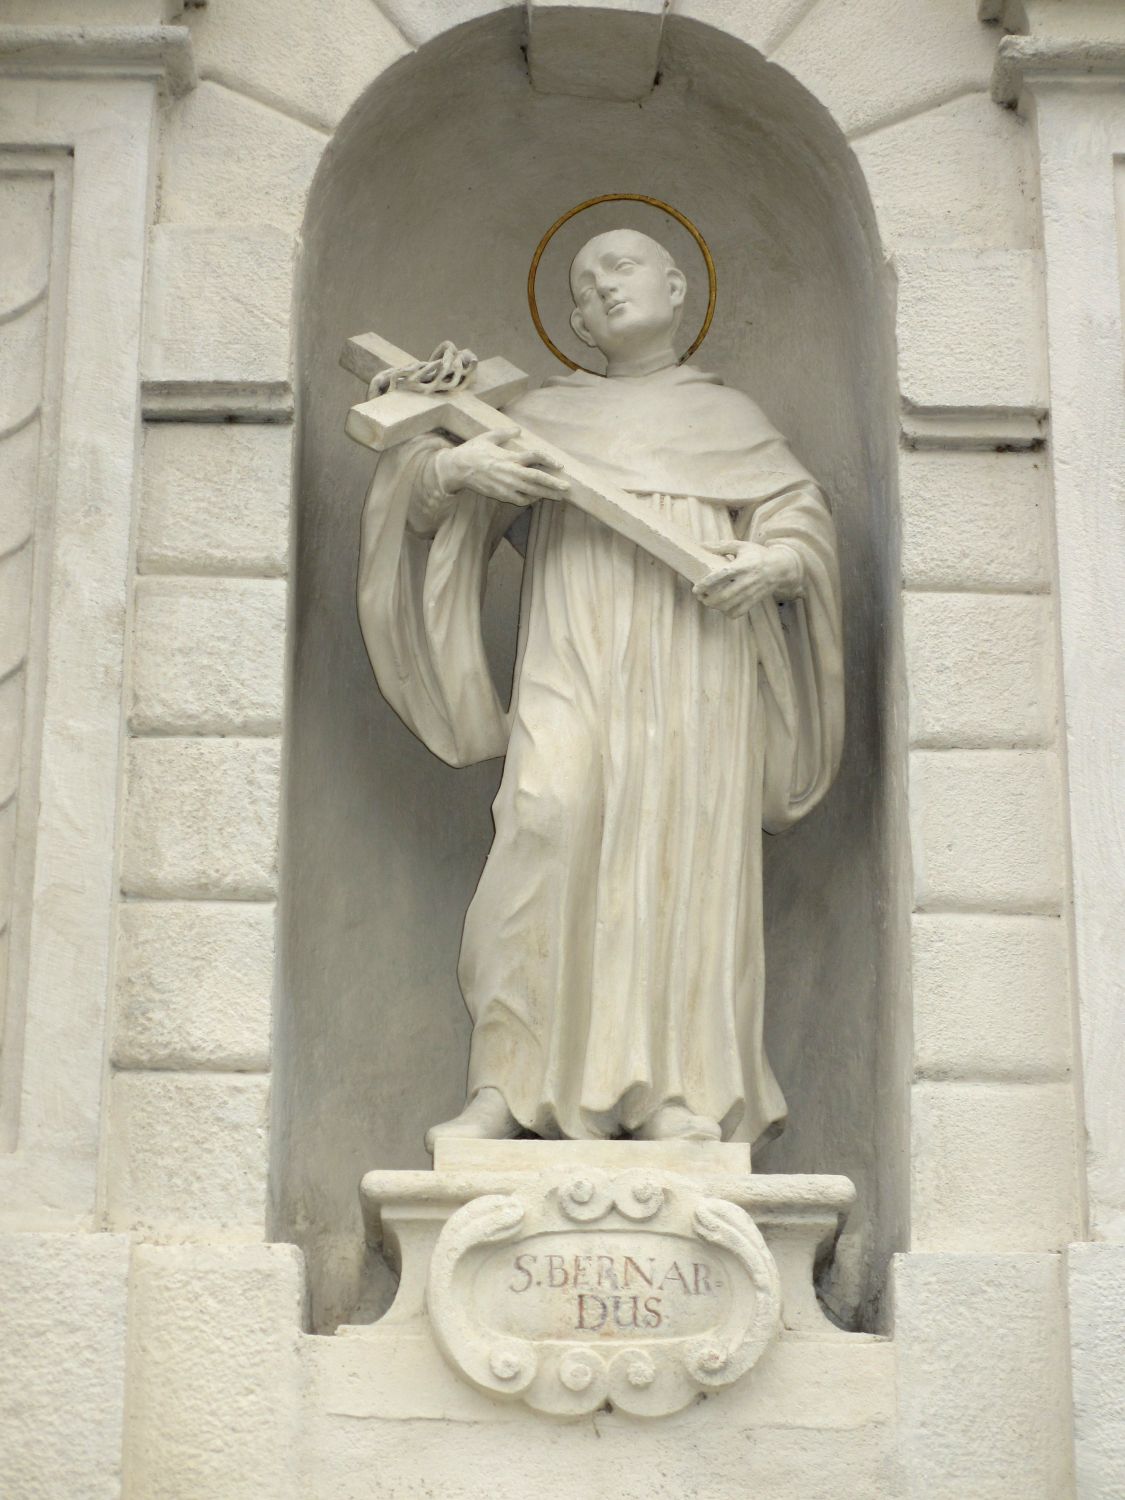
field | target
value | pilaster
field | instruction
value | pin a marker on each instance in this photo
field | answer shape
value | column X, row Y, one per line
column 1066, row 74
column 78, row 107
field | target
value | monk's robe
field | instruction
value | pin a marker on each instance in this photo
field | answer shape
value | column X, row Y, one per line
column 612, row 957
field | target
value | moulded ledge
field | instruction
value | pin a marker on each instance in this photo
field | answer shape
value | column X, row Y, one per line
column 121, row 51
column 1020, row 59
column 217, row 401
column 798, row 1216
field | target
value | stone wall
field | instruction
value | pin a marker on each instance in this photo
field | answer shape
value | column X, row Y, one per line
column 135, row 1198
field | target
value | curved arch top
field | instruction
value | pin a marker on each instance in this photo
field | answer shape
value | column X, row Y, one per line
column 420, row 225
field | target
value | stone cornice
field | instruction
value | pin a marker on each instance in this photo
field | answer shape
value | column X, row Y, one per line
column 217, row 401
column 986, row 429
column 1020, row 59
column 157, row 52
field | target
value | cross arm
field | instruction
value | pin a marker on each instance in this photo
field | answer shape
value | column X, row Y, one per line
column 400, row 415
column 494, row 380
column 469, row 410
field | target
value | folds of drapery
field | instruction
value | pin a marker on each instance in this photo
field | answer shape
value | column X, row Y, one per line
column 800, row 654
column 419, row 609
column 420, row 612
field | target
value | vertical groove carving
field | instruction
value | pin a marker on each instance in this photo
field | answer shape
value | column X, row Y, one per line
column 26, row 233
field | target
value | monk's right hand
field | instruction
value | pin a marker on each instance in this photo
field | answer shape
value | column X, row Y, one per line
column 487, row 466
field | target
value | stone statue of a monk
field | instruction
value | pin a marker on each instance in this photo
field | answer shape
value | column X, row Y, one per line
column 612, row 957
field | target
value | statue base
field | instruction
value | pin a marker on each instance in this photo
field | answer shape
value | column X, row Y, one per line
column 577, row 1275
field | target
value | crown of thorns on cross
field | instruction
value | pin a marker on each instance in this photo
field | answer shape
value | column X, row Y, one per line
column 449, row 367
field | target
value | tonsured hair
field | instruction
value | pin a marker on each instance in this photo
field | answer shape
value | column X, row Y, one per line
column 664, row 256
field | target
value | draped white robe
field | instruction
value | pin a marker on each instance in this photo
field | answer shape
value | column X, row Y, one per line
column 612, row 957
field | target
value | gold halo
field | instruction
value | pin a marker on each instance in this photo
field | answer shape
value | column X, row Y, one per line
column 712, row 287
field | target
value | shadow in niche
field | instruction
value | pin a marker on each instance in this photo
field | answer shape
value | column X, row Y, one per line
column 420, row 225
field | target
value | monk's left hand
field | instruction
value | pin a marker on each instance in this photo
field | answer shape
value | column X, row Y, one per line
column 751, row 574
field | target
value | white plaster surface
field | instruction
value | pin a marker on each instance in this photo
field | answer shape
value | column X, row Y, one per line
column 693, row 1158
column 970, row 328
column 420, row 21
column 208, row 656
column 506, row 1462
column 187, row 1155
column 763, row 26
column 217, row 303
column 994, row 1166
column 987, row 830
column 62, row 1374
column 288, row 58
column 982, row 1377
column 876, row 62
column 1082, row 142
column 215, row 499
column 193, row 982
column 815, row 1420
column 215, row 1378
column 975, row 520
column 204, row 181
column 588, row 48
column 981, row 670
column 1095, row 1283
column 830, row 1383
column 201, row 818
column 961, row 175
column 991, row 996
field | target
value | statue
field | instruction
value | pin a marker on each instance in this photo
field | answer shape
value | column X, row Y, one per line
column 612, row 956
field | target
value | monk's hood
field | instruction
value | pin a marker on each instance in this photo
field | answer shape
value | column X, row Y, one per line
column 677, row 431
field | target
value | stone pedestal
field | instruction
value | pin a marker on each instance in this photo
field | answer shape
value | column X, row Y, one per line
column 576, row 1275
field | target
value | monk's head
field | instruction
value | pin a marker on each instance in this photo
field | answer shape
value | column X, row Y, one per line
column 628, row 295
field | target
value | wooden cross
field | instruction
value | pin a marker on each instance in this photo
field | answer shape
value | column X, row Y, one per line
column 470, row 409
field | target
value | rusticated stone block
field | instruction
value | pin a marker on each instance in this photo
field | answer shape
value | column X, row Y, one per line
column 982, row 1378
column 204, row 182
column 877, row 62
column 1095, row 1280
column 215, row 499
column 218, row 304
column 970, row 329
column 215, row 1405
column 986, row 830
column 994, row 1166
column 980, row 669
column 974, row 520
column 201, row 818
column 959, row 175
column 193, row 985
column 188, row 1155
column 208, row 655
column 287, row 55
column 62, row 1375
column 991, row 996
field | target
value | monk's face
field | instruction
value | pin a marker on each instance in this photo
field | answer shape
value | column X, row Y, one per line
column 627, row 294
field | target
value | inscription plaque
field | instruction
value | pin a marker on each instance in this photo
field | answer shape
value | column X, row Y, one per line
column 588, row 1289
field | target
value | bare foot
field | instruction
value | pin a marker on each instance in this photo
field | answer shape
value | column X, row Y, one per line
column 486, row 1117
column 675, row 1122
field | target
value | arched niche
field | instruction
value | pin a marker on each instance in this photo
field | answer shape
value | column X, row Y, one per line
column 420, row 225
